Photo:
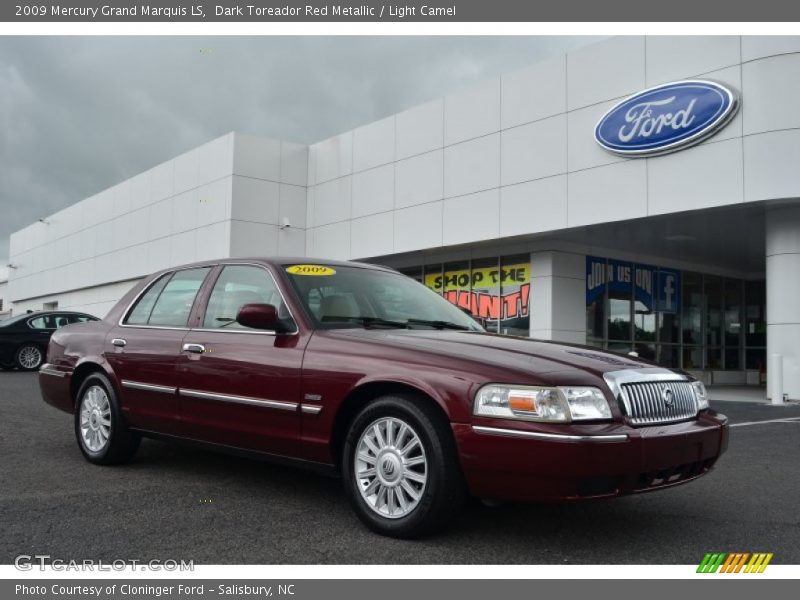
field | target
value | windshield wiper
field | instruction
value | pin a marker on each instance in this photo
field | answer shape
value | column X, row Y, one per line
column 367, row 321
column 440, row 324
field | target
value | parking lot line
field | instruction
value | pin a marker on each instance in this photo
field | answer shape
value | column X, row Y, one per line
column 786, row 420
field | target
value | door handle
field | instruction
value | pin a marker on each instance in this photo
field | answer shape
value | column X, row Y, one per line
column 194, row 348
column 119, row 342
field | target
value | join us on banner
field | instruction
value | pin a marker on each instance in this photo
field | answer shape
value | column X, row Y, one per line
column 656, row 288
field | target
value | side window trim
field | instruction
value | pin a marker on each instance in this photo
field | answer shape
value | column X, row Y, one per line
column 207, row 297
column 166, row 277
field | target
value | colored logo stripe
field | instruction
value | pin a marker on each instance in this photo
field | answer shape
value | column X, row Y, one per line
column 734, row 562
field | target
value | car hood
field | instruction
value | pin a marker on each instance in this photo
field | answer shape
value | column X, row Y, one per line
column 524, row 354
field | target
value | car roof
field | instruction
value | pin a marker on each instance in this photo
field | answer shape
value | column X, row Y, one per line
column 279, row 261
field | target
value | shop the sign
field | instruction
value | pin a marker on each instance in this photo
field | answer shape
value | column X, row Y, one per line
column 666, row 118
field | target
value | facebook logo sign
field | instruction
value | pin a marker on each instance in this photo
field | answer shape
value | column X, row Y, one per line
column 669, row 291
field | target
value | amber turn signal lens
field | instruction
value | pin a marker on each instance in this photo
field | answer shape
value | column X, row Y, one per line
column 524, row 403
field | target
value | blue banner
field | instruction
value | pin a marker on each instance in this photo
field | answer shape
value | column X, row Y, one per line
column 596, row 275
column 669, row 291
column 644, row 282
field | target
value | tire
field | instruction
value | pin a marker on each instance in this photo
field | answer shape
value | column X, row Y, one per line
column 435, row 478
column 29, row 357
column 100, row 428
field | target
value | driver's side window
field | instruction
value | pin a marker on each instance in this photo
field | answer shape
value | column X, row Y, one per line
column 236, row 286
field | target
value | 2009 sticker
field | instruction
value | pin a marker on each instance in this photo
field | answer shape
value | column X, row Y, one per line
column 310, row 270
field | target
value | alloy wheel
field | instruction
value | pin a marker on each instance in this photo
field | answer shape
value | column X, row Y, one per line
column 30, row 357
column 95, row 420
column 391, row 469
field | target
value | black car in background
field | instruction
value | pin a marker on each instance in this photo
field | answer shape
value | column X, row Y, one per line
column 24, row 339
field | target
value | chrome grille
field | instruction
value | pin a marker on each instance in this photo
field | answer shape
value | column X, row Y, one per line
column 646, row 401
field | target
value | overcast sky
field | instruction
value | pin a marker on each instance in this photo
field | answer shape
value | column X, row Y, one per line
column 79, row 114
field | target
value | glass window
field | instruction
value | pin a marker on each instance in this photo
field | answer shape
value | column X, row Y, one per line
column 619, row 300
column 713, row 297
column 485, row 304
column 733, row 312
column 80, row 318
column 43, row 322
column 140, row 314
column 646, row 351
column 236, row 286
column 644, row 315
column 733, row 359
column 596, row 271
column 755, row 313
column 755, row 358
column 669, row 328
column 515, row 294
column 175, row 302
column 414, row 272
column 434, row 278
column 692, row 357
column 62, row 321
column 669, row 355
column 358, row 297
column 457, row 284
column 692, row 304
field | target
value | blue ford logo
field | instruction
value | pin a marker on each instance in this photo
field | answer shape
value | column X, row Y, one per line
column 666, row 118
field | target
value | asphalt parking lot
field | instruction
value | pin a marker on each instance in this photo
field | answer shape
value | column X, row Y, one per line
column 175, row 502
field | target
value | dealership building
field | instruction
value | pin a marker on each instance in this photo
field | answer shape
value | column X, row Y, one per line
column 507, row 199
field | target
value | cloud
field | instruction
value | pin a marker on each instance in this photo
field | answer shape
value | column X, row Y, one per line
column 79, row 114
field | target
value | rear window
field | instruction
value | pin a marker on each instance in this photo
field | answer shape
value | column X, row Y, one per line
column 169, row 300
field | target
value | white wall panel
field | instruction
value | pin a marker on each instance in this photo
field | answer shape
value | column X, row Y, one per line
column 472, row 166
column 373, row 144
column 534, row 93
column 610, row 193
column 472, row 112
column 534, row 151
column 372, row 235
column 419, row 179
column 701, row 177
column 373, row 191
column 674, row 57
column 605, row 70
column 771, row 87
column 470, row 218
column 418, row 227
column 420, row 129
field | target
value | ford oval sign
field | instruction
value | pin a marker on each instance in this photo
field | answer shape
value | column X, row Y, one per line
column 666, row 118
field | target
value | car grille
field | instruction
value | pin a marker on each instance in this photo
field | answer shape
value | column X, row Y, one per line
column 647, row 405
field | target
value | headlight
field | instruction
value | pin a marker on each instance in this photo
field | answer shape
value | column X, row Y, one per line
column 541, row 403
column 700, row 395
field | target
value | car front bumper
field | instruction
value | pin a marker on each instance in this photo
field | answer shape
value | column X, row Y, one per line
column 508, row 460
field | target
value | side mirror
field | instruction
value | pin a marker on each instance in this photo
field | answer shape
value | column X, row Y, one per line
column 260, row 316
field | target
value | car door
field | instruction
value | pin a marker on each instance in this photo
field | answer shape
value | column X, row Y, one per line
column 144, row 348
column 240, row 387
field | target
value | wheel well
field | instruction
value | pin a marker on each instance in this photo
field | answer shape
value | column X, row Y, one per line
column 79, row 375
column 359, row 397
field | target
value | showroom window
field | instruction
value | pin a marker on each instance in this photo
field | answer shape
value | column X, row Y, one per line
column 494, row 290
column 677, row 319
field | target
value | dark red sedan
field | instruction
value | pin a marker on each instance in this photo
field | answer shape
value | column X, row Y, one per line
column 359, row 369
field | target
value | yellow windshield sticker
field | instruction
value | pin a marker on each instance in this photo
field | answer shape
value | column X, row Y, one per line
column 310, row 270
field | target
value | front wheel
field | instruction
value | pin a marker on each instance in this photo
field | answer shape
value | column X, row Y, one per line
column 401, row 469
column 100, row 428
column 29, row 358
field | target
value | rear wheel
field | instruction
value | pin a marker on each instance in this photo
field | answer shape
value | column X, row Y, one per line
column 401, row 469
column 29, row 357
column 100, row 428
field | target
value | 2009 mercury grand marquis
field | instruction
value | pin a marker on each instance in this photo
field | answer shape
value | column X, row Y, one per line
column 358, row 368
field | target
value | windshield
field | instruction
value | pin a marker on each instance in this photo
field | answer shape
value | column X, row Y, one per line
column 337, row 297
